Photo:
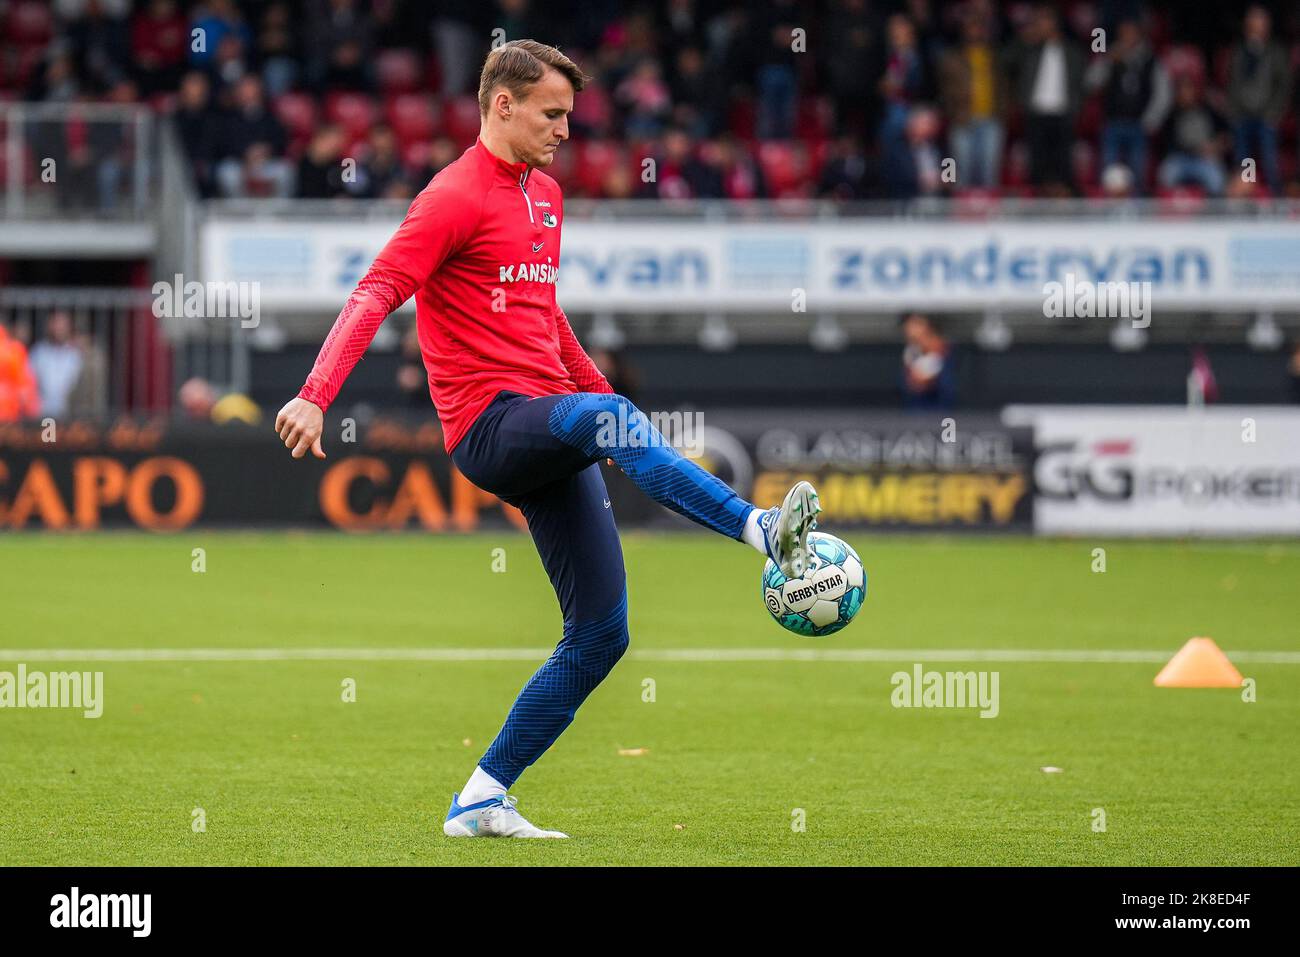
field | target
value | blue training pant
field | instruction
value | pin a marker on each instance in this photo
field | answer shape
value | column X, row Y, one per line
column 541, row 456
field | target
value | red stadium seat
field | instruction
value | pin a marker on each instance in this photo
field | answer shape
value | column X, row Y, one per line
column 413, row 116
column 1086, row 162
column 562, row 167
column 30, row 24
column 297, row 111
column 1091, row 117
column 815, row 119
column 597, row 158
column 398, row 71
column 820, row 154
column 460, row 119
column 355, row 112
column 17, row 70
column 743, row 118
column 784, row 165
column 415, row 155
column 1015, row 169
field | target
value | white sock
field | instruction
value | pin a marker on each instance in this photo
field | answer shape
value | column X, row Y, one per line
column 481, row 786
column 753, row 535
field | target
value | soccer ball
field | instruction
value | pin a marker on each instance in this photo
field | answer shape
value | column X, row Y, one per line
column 828, row 595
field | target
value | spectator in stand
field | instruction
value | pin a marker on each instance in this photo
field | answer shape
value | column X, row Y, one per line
column 1136, row 96
column 1195, row 136
column 199, row 401
column 679, row 174
column 100, row 41
column 971, row 90
column 912, row 168
column 1048, row 70
column 19, row 398
column 277, row 50
column 111, row 149
column 89, row 395
column 320, row 171
column 56, row 79
column 214, row 21
column 696, row 93
column 644, row 97
column 56, row 363
column 928, row 378
column 847, row 174
column 253, row 146
column 929, row 36
column 775, row 81
column 229, row 64
column 197, row 126
column 742, row 178
column 160, row 39
column 340, row 49
column 382, row 173
column 851, row 63
column 1259, row 92
column 441, row 154
column 902, row 85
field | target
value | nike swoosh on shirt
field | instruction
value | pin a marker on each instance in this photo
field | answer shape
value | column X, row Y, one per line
column 537, row 247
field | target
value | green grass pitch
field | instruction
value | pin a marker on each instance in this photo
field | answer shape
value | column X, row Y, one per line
column 286, row 772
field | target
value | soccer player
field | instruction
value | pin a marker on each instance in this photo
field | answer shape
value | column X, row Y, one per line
column 525, row 413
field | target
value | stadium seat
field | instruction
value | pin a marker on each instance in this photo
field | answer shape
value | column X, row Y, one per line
column 742, row 120
column 355, row 112
column 398, row 71
column 29, row 24
column 562, row 167
column 1091, row 118
column 1086, row 162
column 815, row 119
column 460, row 120
column 414, row 117
column 297, row 111
column 785, row 165
column 415, row 155
column 597, row 158
column 1015, row 167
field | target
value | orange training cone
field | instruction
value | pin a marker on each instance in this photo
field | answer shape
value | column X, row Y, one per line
column 1199, row 664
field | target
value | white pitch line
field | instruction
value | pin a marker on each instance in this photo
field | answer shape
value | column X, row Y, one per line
column 1008, row 655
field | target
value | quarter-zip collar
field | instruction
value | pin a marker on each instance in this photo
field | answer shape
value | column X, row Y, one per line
column 516, row 172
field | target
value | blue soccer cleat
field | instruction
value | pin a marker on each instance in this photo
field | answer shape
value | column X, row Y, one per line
column 495, row 817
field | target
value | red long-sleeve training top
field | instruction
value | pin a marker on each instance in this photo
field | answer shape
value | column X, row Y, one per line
column 480, row 250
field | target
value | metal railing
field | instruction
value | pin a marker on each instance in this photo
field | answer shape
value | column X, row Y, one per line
column 78, row 161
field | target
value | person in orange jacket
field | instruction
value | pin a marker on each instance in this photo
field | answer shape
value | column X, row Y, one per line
column 19, row 398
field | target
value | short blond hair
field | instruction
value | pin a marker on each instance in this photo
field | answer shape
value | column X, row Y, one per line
column 519, row 64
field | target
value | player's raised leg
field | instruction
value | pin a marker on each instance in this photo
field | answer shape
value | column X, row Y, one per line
column 606, row 425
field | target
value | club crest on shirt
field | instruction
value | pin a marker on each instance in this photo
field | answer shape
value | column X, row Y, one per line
column 548, row 219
